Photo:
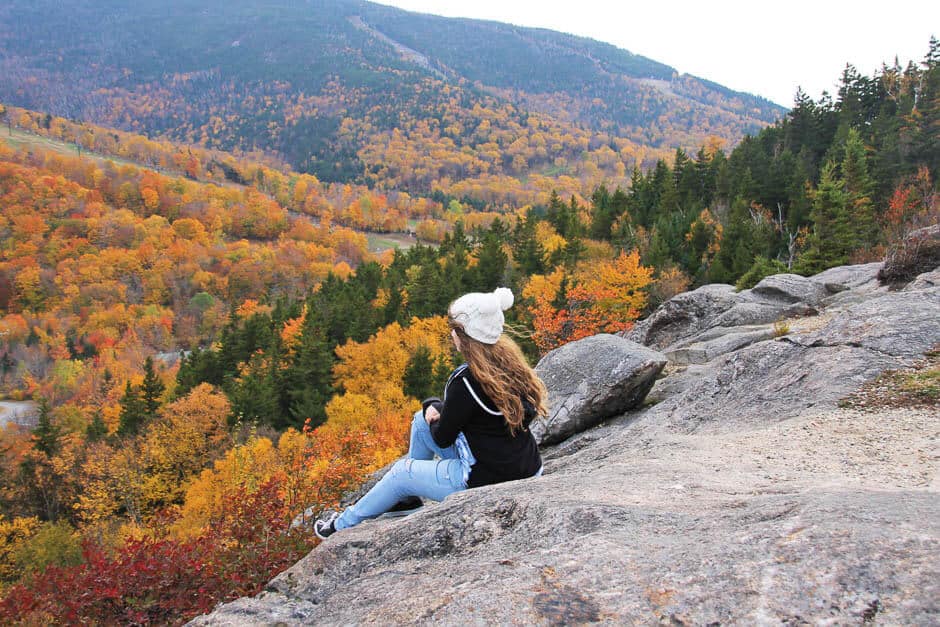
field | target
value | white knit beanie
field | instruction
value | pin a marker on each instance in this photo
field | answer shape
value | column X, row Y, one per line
column 481, row 315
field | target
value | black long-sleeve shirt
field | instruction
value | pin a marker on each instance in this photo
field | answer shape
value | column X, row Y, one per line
column 500, row 456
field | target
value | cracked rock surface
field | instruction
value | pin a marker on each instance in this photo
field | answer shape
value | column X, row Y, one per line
column 744, row 496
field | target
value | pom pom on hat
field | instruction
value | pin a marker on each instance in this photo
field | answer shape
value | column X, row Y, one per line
column 481, row 314
column 504, row 295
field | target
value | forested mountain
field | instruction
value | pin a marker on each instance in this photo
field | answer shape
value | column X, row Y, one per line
column 346, row 89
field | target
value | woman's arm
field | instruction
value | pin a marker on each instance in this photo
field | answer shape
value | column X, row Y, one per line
column 457, row 410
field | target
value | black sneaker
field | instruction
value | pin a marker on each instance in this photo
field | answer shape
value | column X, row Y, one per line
column 325, row 528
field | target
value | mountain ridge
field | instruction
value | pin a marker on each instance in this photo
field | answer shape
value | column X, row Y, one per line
column 283, row 77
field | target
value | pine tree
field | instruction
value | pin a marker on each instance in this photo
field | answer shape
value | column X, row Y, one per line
column 418, row 378
column 602, row 213
column 555, row 213
column 96, row 429
column 657, row 255
column 133, row 411
column 491, row 262
column 151, row 390
column 859, row 188
column 442, row 369
column 254, row 394
column 832, row 237
column 308, row 376
column 925, row 122
column 528, row 253
column 47, row 435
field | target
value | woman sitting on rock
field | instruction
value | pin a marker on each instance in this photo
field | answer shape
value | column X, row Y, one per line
column 480, row 430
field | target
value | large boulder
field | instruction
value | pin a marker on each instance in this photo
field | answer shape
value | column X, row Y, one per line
column 925, row 281
column 849, row 277
column 789, row 289
column 766, row 383
column 898, row 324
column 706, row 349
column 683, row 315
column 754, row 312
column 591, row 380
column 851, row 284
column 687, row 318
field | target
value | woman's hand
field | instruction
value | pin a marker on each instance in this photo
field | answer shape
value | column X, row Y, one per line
column 431, row 414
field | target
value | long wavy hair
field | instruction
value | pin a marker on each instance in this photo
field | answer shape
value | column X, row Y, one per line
column 505, row 376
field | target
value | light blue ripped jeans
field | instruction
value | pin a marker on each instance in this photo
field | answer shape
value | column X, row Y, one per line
column 418, row 474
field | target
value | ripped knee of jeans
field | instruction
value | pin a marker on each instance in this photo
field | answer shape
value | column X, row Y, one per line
column 402, row 466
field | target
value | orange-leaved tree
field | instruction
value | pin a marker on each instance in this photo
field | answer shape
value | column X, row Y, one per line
column 602, row 298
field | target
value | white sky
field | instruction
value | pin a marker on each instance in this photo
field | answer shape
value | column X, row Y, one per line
column 762, row 48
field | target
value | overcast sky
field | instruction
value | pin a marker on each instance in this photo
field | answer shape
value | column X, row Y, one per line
column 765, row 48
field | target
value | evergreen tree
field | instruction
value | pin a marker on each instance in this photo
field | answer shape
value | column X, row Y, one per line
column 924, row 123
column 133, row 411
column 200, row 366
column 657, row 255
column 602, row 214
column 418, row 379
column 442, row 369
column 528, row 253
column 491, row 265
column 47, row 435
column 96, row 429
column 688, row 187
column 640, row 204
column 561, row 296
column 308, row 376
column 555, row 213
column 151, row 390
column 832, row 237
column 859, row 188
column 254, row 394
column 426, row 292
column 665, row 191
column 736, row 254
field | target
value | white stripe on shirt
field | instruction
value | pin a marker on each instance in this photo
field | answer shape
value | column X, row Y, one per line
column 479, row 402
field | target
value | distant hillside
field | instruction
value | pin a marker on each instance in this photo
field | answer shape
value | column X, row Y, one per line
column 323, row 84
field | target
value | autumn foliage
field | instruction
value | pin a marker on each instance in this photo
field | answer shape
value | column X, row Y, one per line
column 212, row 347
column 605, row 298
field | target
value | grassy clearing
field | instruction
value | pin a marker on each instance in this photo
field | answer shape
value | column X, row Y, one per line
column 21, row 139
column 384, row 241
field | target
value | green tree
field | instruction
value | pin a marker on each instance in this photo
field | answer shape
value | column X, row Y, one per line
column 418, row 378
column 55, row 544
column 308, row 376
column 133, row 411
column 832, row 238
column 151, row 390
column 528, row 254
column 442, row 369
column 47, row 435
column 491, row 265
column 859, row 188
column 254, row 394
column 96, row 429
